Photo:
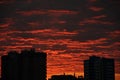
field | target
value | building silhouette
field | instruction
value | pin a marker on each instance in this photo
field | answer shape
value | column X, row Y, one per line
column 80, row 78
column 10, row 66
column 65, row 77
column 28, row 65
column 97, row 68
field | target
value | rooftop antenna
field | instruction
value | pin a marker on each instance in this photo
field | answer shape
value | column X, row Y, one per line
column 74, row 74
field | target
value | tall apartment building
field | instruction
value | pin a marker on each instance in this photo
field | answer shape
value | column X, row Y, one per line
column 98, row 68
column 28, row 65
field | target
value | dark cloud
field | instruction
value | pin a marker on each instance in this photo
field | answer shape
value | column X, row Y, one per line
column 59, row 47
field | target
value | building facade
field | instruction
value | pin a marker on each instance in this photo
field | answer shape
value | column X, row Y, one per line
column 28, row 65
column 97, row 68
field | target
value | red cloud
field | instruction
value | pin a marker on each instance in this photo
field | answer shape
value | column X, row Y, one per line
column 47, row 12
column 29, row 13
column 7, row 23
column 114, row 34
column 34, row 24
column 99, row 16
column 4, row 25
column 93, row 8
column 96, row 21
column 67, row 12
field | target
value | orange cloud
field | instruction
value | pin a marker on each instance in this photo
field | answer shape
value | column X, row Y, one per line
column 117, row 76
column 52, row 32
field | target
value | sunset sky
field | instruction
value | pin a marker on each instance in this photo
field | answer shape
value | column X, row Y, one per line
column 68, row 30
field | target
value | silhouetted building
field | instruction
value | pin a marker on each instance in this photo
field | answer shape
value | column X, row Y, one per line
column 65, row 77
column 10, row 66
column 29, row 65
column 97, row 68
column 80, row 78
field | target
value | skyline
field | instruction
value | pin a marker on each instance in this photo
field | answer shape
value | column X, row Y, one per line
column 69, row 31
column 31, row 64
